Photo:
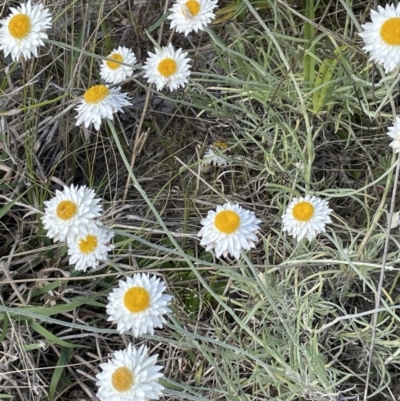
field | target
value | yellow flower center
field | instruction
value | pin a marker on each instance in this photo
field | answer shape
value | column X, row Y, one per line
column 167, row 67
column 221, row 145
column 19, row 26
column 303, row 211
column 390, row 31
column 122, row 379
column 137, row 299
column 112, row 64
column 227, row 221
column 193, row 6
column 88, row 244
column 96, row 94
column 66, row 209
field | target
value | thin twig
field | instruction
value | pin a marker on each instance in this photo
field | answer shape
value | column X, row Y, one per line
column 4, row 267
column 382, row 275
column 352, row 316
column 201, row 179
column 138, row 136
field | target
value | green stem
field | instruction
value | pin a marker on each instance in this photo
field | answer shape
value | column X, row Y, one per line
column 309, row 60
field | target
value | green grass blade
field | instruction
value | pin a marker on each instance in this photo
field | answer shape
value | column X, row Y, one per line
column 309, row 58
column 50, row 337
column 5, row 209
column 323, row 83
column 62, row 361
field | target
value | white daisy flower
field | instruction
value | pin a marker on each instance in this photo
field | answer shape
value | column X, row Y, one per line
column 99, row 102
column 210, row 157
column 138, row 304
column 70, row 213
column 88, row 250
column 382, row 36
column 192, row 15
column 167, row 67
column 22, row 32
column 229, row 229
column 130, row 375
column 306, row 217
column 394, row 133
column 112, row 71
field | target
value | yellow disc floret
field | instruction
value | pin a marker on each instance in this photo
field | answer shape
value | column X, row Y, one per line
column 303, row 211
column 137, row 299
column 193, row 6
column 122, row 379
column 112, row 64
column 390, row 31
column 66, row 209
column 227, row 221
column 96, row 94
column 88, row 244
column 221, row 145
column 167, row 67
column 19, row 26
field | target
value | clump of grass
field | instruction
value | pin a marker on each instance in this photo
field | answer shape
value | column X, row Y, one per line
column 302, row 111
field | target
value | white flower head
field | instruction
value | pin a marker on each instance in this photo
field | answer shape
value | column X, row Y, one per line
column 394, row 133
column 23, row 31
column 71, row 213
column 99, row 102
column 138, row 304
column 130, row 375
column 382, row 36
column 306, row 217
column 112, row 71
column 88, row 250
column 167, row 67
column 192, row 15
column 211, row 156
column 229, row 229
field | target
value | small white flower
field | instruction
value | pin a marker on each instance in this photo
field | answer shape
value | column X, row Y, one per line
column 99, row 102
column 113, row 72
column 167, row 67
column 138, row 304
column 382, row 36
column 130, row 375
column 394, row 133
column 306, row 217
column 71, row 213
column 192, row 15
column 210, row 157
column 229, row 229
column 88, row 250
column 23, row 31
